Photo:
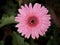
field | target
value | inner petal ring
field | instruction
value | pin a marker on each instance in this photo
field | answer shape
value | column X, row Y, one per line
column 32, row 21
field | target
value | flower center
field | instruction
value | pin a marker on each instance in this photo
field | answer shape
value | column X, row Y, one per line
column 32, row 21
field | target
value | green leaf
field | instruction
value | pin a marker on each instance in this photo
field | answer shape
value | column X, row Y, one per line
column 18, row 40
column 32, row 42
column 1, row 42
column 26, row 43
column 7, row 20
column 20, row 2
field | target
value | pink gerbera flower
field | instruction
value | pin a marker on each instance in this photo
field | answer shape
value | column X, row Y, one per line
column 33, row 21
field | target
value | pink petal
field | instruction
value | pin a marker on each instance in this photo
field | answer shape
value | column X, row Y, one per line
column 43, row 20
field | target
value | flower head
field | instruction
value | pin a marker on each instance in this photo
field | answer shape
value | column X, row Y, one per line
column 33, row 21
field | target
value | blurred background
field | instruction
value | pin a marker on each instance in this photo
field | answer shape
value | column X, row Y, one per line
column 8, row 32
